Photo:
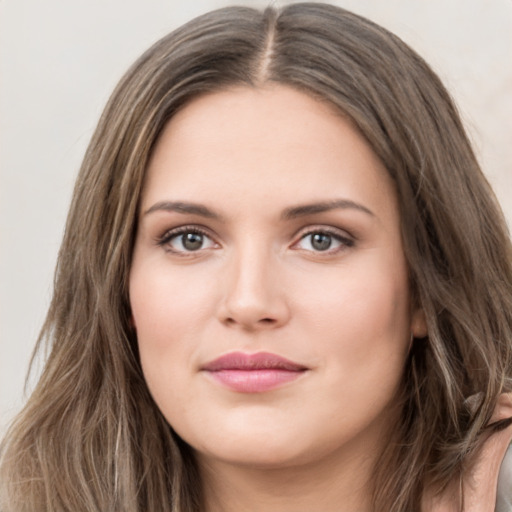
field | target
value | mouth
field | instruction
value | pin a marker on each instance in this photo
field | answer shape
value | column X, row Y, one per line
column 253, row 373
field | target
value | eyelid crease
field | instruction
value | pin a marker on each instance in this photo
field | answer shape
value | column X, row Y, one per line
column 330, row 230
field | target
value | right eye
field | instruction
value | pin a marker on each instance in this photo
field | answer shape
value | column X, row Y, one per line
column 186, row 240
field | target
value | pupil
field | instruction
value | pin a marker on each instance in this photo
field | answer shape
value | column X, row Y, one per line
column 192, row 241
column 321, row 242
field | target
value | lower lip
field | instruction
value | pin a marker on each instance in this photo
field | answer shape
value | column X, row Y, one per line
column 255, row 381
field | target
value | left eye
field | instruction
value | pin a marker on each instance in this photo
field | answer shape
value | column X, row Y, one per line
column 188, row 241
column 321, row 241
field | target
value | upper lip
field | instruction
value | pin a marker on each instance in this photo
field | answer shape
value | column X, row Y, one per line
column 257, row 361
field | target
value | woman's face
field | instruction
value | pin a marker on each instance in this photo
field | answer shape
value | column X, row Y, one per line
column 269, row 288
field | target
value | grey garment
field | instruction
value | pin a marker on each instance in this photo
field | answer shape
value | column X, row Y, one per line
column 504, row 494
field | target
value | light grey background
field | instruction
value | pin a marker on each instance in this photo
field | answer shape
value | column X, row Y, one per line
column 60, row 59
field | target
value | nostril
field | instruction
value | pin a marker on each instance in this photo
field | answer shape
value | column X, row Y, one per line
column 262, row 321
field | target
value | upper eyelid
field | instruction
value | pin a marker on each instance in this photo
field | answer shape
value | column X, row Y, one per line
column 331, row 230
column 168, row 234
column 187, row 227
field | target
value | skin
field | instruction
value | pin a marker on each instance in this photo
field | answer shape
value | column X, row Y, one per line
column 258, row 283
column 479, row 482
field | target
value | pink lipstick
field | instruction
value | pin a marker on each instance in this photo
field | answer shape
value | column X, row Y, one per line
column 253, row 373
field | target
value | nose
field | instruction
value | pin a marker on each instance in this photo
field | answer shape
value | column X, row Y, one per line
column 254, row 297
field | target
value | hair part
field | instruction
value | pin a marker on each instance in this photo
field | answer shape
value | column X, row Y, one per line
column 91, row 438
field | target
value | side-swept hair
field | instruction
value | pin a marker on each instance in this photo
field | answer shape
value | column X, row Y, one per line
column 91, row 438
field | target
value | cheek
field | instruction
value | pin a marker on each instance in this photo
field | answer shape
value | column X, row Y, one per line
column 361, row 325
column 169, row 311
column 369, row 299
column 164, row 308
column 167, row 303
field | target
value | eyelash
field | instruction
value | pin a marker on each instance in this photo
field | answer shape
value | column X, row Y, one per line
column 346, row 241
column 168, row 236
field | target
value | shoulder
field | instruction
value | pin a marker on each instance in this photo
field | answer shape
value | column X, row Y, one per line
column 487, row 482
column 504, row 487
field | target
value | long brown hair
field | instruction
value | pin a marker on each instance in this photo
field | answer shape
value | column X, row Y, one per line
column 90, row 437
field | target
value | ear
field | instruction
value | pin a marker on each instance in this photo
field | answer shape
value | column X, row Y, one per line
column 131, row 322
column 419, row 324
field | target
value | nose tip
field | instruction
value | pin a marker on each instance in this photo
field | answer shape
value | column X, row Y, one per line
column 251, row 319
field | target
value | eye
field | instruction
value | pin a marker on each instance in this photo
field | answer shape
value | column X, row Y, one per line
column 323, row 241
column 186, row 240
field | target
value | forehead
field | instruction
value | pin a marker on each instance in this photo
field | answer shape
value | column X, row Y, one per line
column 245, row 145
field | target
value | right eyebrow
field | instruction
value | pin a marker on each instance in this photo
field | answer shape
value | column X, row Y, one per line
column 183, row 207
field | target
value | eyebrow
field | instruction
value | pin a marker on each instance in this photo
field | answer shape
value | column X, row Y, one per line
column 324, row 206
column 288, row 214
column 183, row 207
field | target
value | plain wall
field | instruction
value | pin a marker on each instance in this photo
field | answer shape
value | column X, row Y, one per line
column 59, row 61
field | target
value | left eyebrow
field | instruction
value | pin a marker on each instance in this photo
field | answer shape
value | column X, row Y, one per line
column 323, row 206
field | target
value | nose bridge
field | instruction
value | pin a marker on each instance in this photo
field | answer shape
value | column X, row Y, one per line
column 253, row 295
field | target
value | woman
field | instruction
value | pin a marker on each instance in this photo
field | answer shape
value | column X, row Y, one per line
column 284, row 284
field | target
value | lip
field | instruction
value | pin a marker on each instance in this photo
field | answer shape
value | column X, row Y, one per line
column 253, row 373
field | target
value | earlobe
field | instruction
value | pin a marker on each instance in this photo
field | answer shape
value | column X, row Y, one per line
column 419, row 324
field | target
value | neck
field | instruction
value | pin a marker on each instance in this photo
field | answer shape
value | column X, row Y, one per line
column 327, row 485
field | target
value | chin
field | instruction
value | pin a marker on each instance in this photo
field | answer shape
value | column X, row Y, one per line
column 259, row 448
column 257, row 455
